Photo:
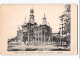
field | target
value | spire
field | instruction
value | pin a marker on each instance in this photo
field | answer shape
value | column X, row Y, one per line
column 25, row 21
column 67, row 7
column 18, row 27
column 25, row 18
column 44, row 20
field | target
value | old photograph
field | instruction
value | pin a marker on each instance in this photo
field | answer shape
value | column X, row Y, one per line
column 39, row 28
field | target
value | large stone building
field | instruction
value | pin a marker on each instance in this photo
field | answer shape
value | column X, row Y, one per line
column 31, row 33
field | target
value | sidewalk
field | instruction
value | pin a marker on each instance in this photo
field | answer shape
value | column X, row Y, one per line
column 41, row 47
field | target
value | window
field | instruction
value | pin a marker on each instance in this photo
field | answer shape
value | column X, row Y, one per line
column 39, row 28
column 39, row 33
column 36, row 34
column 39, row 39
column 43, row 28
column 36, row 38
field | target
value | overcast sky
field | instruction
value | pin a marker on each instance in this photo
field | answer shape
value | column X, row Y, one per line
column 14, row 15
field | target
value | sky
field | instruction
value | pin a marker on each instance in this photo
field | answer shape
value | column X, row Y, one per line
column 13, row 16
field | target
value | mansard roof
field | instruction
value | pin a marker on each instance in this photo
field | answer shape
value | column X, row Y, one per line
column 44, row 25
column 29, row 24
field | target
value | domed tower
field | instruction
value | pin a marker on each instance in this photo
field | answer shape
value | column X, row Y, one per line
column 44, row 20
column 31, row 18
column 31, row 25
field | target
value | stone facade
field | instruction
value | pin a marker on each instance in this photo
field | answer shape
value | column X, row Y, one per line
column 31, row 33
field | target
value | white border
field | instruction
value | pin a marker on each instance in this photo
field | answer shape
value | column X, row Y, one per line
column 38, row 1
column 44, row 2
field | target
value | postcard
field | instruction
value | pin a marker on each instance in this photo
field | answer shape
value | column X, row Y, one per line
column 38, row 29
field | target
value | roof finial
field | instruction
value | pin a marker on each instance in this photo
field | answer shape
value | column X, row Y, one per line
column 48, row 24
column 18, row 27
column 25, row 21
column 25, row 18
column 44, row 14
column 44, row 17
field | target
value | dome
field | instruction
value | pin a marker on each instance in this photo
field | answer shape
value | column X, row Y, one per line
column 31, row 11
